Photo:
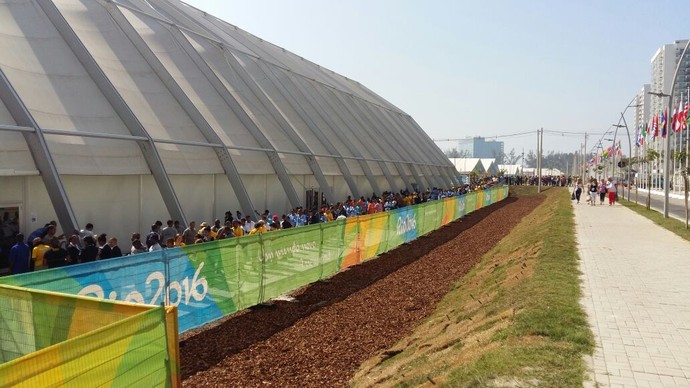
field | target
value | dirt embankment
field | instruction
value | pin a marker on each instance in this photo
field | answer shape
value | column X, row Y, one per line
column 334, row 326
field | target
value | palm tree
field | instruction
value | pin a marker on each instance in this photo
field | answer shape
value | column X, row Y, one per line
column 649, row 158
column 681, row 157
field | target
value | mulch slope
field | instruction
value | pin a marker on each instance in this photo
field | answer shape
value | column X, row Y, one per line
column 334, row 326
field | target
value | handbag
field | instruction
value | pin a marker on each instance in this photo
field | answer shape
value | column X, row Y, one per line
column 572, row 195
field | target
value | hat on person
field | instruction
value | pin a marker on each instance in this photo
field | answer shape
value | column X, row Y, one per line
column 203, row 224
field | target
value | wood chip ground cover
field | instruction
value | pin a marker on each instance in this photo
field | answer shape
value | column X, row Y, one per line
column 333, row 326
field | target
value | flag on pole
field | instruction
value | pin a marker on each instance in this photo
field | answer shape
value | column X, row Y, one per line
column 678, row 120
column 619, row 152
column 684, row 118
column 662, row 124
column 643, row 134
column 655, row 126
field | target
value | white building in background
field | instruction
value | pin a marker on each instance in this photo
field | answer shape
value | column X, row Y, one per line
column 663, row 64
column 642, row 105
column 663, row 68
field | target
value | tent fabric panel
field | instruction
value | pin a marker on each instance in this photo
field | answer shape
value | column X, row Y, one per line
column 295, row 164
column 349, row 130
column 145, row 94
column 186, row 159
column 234, row 132
column 42, row 61
column 95, row 156
column 314, row 113
column 283, row 106
column 191, row 80
column 15, row 157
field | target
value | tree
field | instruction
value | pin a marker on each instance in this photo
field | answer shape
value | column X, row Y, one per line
column 682, row 157
column 651, row 156
column 511, row 157
column 498, row 156
column 454, row 153
column 531, row 159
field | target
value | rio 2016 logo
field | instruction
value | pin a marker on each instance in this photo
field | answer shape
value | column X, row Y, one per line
column 406, row 224
column 183, row 291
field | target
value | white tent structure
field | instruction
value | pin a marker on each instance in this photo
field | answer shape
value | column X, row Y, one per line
column 124, row 112
column 490, row 166
column 510, row 169
column 468, row 165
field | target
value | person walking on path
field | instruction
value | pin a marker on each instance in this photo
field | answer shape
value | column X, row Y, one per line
column 602, row 191
column 611, row 189
column 593, row 191
column 578, row 189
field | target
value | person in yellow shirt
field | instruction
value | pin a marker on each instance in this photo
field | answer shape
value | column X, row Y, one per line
column 237, row 230
column 179, row 241
column 37, row 253
column 258, row 228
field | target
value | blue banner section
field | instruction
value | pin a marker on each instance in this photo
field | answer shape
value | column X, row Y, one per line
column 406, row 223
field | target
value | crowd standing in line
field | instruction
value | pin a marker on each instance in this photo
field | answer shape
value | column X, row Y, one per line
column 44, row 249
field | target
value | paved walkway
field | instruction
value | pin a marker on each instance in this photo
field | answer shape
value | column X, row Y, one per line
column 636, row 292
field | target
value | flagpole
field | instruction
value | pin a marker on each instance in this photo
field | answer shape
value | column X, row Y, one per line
column 668, row 138
column 687, row 132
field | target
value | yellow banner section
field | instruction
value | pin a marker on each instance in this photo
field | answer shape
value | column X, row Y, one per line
column 54, row 339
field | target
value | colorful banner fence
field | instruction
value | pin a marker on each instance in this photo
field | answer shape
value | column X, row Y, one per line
column 51, row 339
column 211, row 280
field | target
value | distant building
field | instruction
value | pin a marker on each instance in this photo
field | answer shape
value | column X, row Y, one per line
column 479, row 147
column 642, row 107
column 664, row 62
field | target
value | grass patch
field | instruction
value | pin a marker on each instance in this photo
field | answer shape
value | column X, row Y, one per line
column 671, row 224
column 514, row 320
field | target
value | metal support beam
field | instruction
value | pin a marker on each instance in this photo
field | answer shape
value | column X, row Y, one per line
column 322, row 108
column 293, row 101
column 437, row 162
column 40, row 154
column 148, row 148
column 234, row 101
column 242, row 114
column 274, row 111
column 361, row 133
column 411, row 138
column 187, row 105
column 367, row 126
column 365, row 121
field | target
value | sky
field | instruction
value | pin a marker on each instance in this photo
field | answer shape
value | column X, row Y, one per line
column 491, row 68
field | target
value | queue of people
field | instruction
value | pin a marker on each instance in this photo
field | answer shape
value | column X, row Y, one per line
column 45, row 249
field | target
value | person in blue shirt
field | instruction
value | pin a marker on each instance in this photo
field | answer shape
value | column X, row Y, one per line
column 19, row 256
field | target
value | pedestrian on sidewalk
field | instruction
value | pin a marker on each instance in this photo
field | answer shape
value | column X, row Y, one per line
column 593, row 187
column 612, row 191
column 602, row 191
column 578, row 189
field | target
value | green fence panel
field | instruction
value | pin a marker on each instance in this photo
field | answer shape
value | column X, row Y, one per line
column 470, row 202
